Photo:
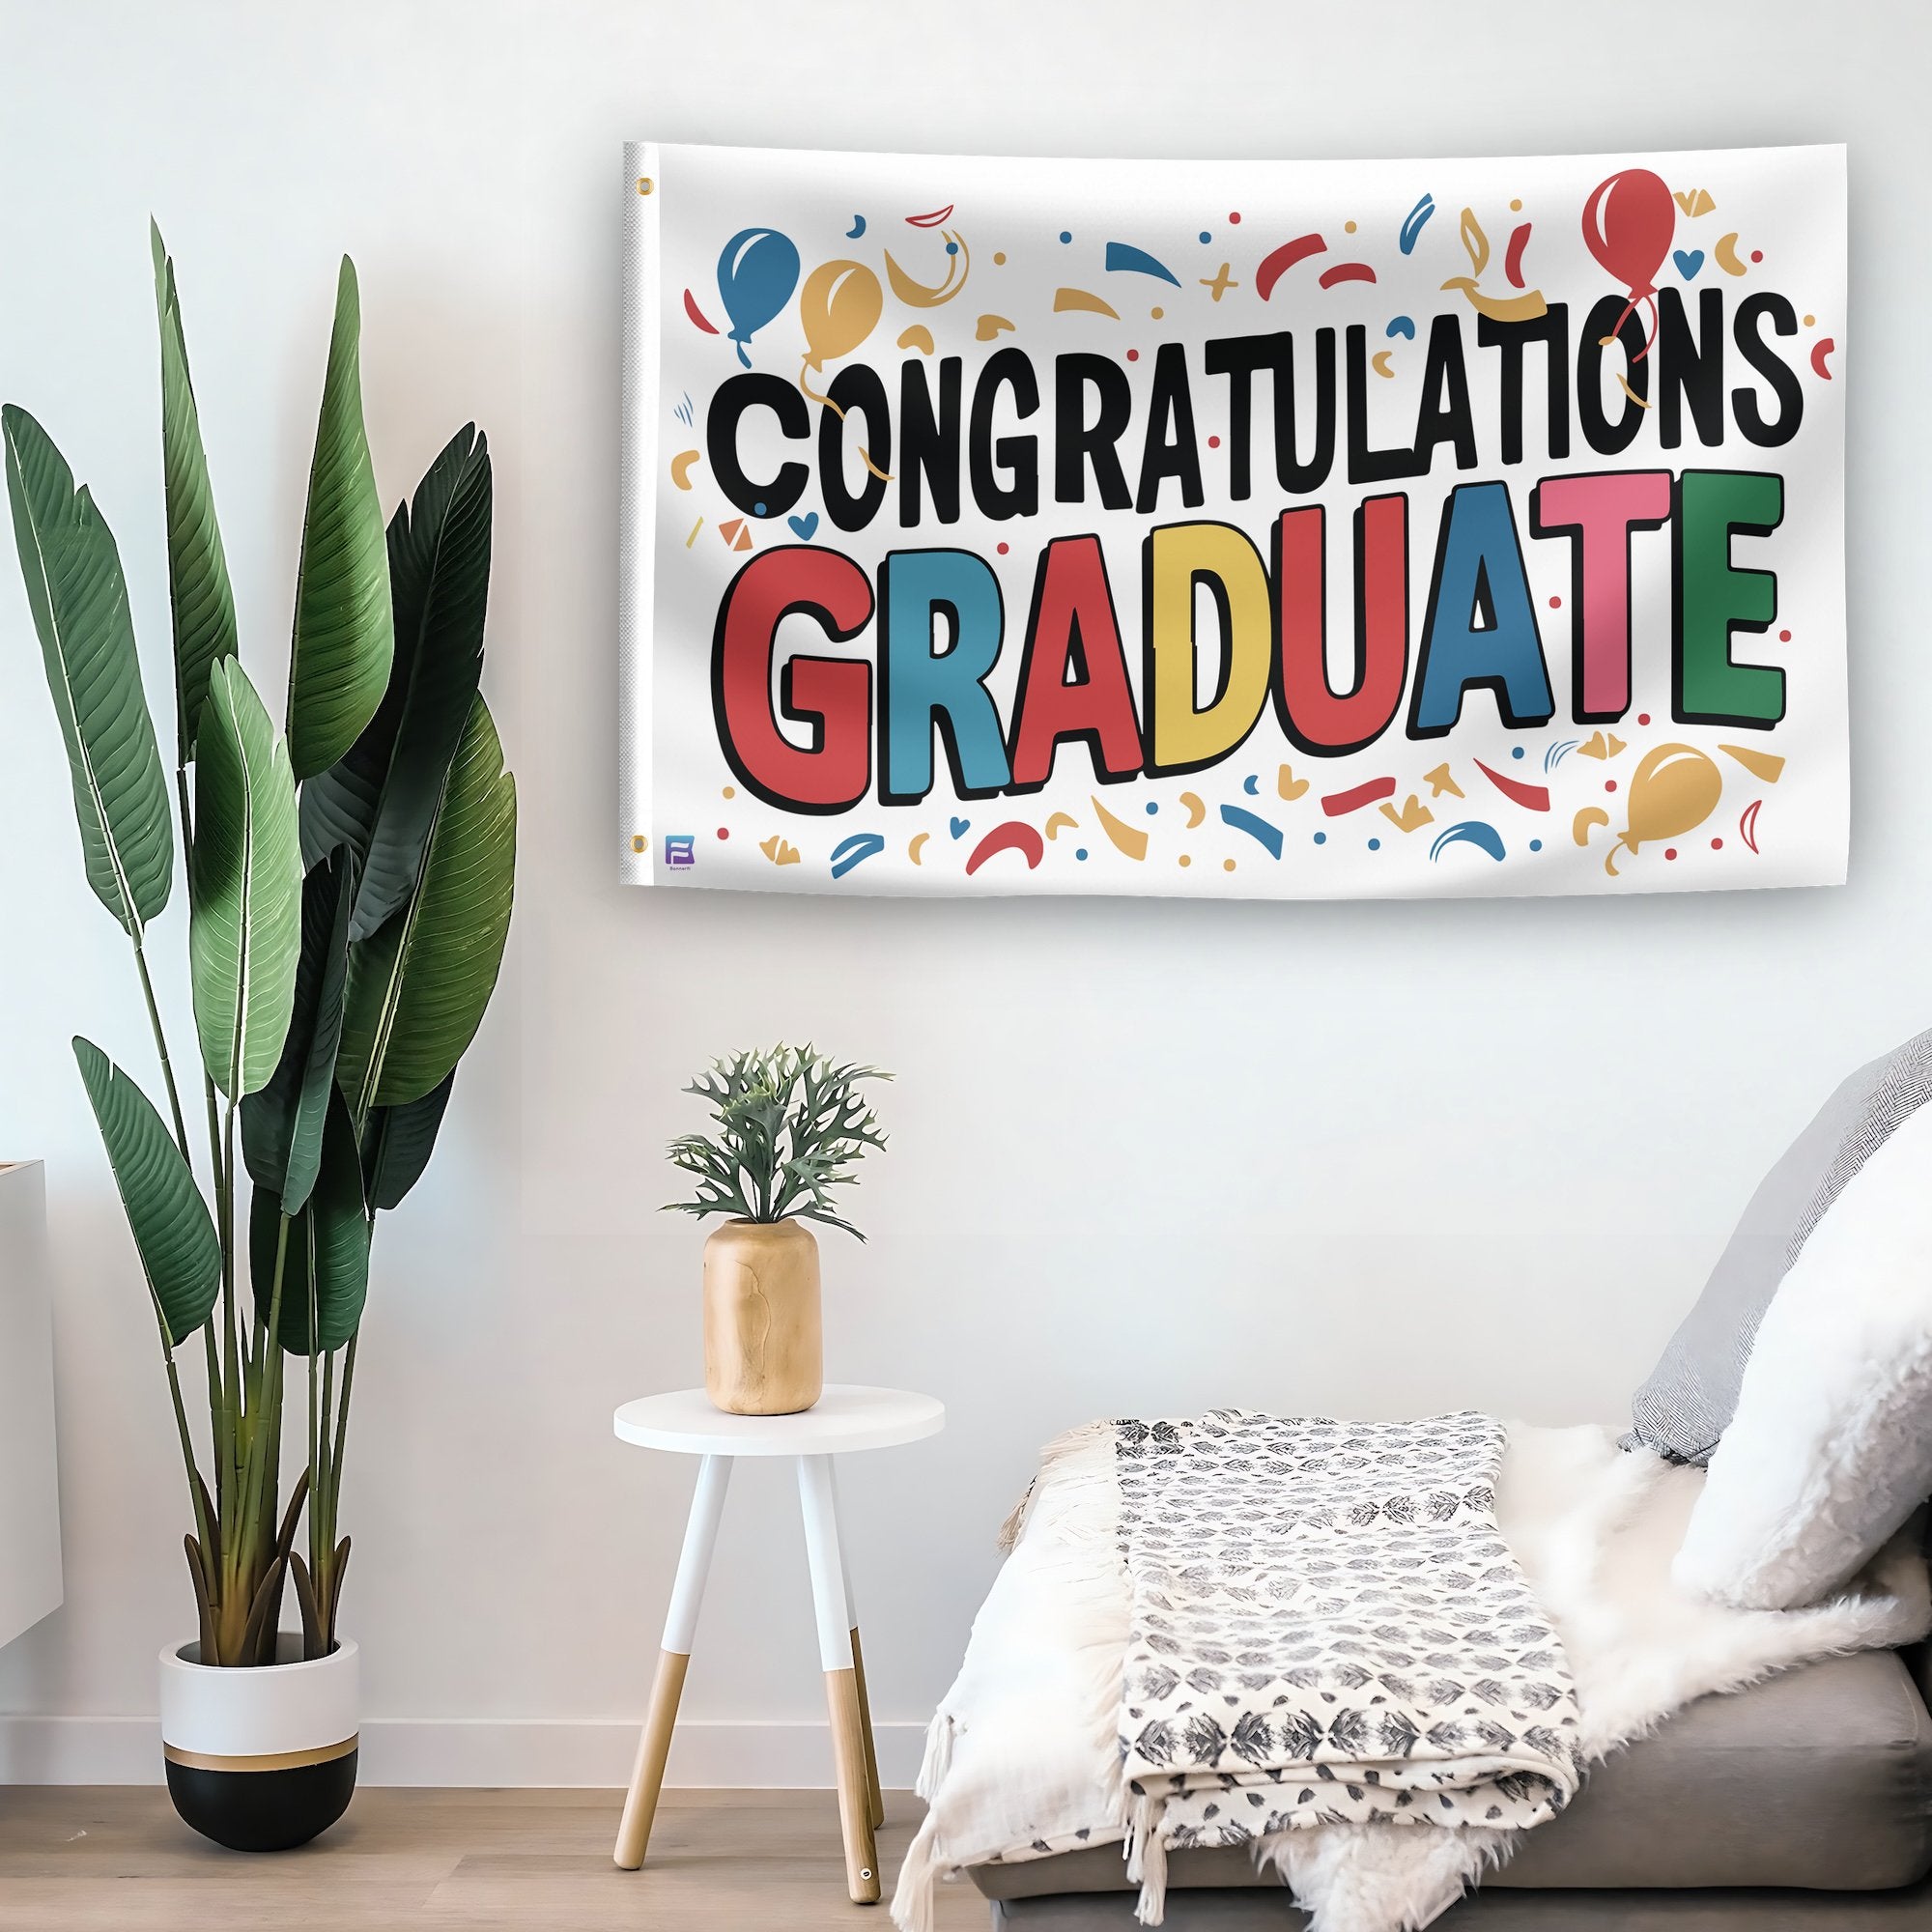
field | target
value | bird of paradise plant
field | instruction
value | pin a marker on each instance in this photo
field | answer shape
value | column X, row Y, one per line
column 348, row 881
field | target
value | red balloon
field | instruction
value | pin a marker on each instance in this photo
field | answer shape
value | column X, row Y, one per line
column 1628, row 223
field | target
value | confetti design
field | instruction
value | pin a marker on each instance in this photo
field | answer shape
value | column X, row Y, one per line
column 916, row 294
column 1124, row 259
column 1078, row 301
column 1474, row 832
column 1127, row 838
column 1338, row 802
column 854, row 851
column 1532, row 798
column 1414, row 223
column 1275, row 265
column 1411, row 816
column 1767, row 766
column 1014, row 836
column 1255, row 826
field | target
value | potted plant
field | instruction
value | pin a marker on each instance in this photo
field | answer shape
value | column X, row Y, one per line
column 789, row 1127
column 349, row 885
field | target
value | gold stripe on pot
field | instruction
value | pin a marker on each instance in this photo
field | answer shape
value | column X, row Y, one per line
column 267, row 1761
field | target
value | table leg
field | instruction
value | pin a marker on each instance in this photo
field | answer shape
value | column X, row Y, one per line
column 876, row 1796
column 693, row 1563
column 820, row 1511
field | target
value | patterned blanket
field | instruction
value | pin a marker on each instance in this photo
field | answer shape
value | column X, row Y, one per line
column 1023, row 1759
column 1326, row 1626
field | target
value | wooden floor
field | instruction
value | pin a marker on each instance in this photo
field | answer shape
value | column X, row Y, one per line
column 76, row 1860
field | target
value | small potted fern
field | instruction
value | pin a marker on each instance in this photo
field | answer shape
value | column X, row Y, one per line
column 789, row 1127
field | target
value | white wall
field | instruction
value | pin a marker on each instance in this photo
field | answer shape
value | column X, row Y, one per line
column 1148, row 1156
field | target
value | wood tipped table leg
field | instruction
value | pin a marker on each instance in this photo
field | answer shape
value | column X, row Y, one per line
column 875, row 1798
column 878, row 1796
column 701, row 1538
column 851, row 1733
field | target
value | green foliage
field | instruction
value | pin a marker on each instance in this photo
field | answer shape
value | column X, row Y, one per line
column 244, row 886
column 72, row 570
column 281, row 1125
column 199, row 596
column 790, row 1127
column 172, row 1235
column 330, row 1009
column 325, row 1265
column 345, row 634
column 417, row 988
column 397, row 1143
column 380, row 800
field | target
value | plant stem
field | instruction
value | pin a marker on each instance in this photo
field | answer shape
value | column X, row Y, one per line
column 323, row 1525
column 341, row 1425
column 234, row 1421
column 161, row 1047
column 266, row 1408
column 194, row 1488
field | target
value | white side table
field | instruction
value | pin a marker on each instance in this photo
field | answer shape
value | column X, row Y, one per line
column 844, row 1418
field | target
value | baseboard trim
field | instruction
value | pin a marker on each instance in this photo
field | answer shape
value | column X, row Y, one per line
column 488, row 1752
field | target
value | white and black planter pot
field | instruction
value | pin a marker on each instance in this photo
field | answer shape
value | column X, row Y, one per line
column 263, row 1759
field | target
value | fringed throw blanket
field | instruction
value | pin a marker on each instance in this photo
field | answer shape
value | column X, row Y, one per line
column 1326, row 1626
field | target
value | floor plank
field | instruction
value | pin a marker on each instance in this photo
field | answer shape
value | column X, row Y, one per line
column 100, row 1858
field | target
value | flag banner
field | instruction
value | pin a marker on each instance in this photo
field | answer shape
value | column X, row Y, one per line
column 1234, row 528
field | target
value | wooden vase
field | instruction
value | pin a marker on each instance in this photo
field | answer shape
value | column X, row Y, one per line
column 764, row 1349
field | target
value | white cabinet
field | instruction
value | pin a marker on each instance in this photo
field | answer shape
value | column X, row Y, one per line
column 30, row 1557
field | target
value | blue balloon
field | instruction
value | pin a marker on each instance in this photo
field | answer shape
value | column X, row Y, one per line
column 757, row 274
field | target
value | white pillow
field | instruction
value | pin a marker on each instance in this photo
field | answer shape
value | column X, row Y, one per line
column 1830, row 1448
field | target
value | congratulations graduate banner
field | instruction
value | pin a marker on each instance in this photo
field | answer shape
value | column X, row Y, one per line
column 1285, row 530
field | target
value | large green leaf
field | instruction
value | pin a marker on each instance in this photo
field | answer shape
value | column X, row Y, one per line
column 173, row 1233
column 398, row 1141
column 79, row 601
column 380, row 799
column 245, row 882
column 344, row 635
column 326, row 1264
column 418, row 987
column 198, row 589
column 281, row 1125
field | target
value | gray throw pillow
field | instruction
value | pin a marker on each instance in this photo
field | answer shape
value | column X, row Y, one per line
column 1692, row 1393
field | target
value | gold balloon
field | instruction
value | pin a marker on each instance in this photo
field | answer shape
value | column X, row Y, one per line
column 840, row 306
column 1674, row 789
